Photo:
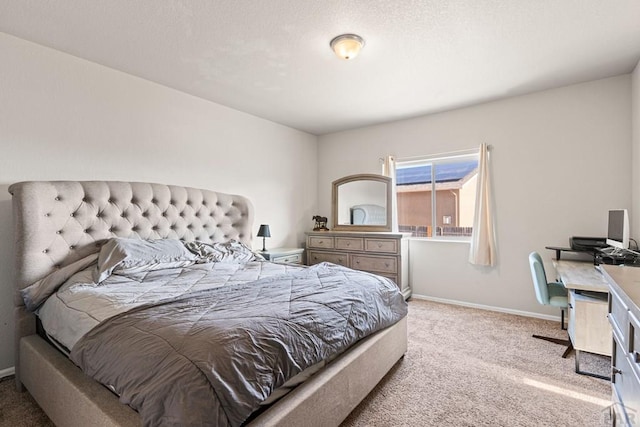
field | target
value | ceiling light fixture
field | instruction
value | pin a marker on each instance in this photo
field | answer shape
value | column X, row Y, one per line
column 347, row 46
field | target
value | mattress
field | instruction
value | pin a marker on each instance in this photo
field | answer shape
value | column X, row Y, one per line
column 80, row 305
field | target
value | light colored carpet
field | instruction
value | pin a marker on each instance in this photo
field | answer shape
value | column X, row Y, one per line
column 464, row 367
column 469, row 367
column 19, row 409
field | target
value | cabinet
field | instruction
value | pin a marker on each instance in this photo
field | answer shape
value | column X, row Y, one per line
column 284, row 255
column 385, row 254
column 624, row 316
column 588, row 328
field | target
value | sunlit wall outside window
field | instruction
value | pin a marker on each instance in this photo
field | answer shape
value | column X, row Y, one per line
column 436, row 197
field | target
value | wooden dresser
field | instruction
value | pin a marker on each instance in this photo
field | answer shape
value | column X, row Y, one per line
column 624, row 316
column 382, row 253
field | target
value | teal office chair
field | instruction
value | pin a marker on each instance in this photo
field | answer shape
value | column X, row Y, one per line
column 553, row 294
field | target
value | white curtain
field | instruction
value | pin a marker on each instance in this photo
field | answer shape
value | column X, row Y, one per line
column 483, row 240
column 389, row 169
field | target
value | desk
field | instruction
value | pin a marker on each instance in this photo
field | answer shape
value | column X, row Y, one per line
column 589, row 328
column 581, row 276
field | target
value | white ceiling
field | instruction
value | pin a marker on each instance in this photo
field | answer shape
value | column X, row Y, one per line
column 271, row 58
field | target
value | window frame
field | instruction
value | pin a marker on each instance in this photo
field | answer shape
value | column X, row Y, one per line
column 434, row 160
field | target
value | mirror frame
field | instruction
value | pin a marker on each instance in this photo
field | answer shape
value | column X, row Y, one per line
column 360, row 177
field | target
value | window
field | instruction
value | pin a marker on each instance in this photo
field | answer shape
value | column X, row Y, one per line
column 437, row 195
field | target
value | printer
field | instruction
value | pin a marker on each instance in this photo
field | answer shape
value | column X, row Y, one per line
column 587, row 244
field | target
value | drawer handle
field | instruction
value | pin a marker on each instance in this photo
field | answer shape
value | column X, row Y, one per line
column 615, row 371
column 379, row 245
column 357, row 261
column 386, row 264
column 320, row 242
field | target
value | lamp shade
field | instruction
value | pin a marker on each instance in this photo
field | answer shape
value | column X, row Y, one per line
column 264, row 231
column 347, row 46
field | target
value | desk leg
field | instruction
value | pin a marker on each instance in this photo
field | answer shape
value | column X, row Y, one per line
column 589, row 374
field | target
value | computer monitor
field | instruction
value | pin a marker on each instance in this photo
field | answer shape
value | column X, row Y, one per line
column 618, row 229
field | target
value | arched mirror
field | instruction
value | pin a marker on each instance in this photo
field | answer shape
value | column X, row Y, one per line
column 362, row 203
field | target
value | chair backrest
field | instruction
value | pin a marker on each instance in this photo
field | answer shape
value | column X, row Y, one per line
column 539, row 278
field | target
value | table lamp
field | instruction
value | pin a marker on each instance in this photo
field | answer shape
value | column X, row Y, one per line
column 264, row 232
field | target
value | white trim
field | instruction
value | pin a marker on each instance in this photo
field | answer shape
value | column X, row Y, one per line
column 7, row 372
column 439, row 156
column 488, row 307
column 450, row 239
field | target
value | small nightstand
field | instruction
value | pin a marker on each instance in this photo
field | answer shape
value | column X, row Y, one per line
column 284, row 255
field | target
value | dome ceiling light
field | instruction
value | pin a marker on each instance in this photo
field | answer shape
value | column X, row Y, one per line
column 347, row 46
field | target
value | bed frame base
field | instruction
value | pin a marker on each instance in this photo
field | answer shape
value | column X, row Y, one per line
column 328, row 397
column 65, row 393
column 70, row 398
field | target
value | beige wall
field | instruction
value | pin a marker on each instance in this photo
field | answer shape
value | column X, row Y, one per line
column 66, row 118
column 560, row 159
column 414, row 207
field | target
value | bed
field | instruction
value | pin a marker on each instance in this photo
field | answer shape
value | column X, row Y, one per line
column 58, row 224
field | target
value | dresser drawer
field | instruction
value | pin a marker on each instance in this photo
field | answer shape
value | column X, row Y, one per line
column 320, row 242
column 389, row 246
column 618, row 313
column 626, row 384
column 288, row 259
column 316, row 257
column 634, row 342
column 376, row 264
column 349, row 243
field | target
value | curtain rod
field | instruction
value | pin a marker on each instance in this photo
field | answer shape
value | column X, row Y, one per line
column 447, row 154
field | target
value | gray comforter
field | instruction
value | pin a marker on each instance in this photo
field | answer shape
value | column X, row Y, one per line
column 211, row 357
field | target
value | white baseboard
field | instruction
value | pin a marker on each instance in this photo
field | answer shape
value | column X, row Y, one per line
column 7, row 372
column 488, row 307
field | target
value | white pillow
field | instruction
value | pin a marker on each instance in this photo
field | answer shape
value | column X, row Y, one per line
column 233, row 252
column 126, row 256
column 37, row 293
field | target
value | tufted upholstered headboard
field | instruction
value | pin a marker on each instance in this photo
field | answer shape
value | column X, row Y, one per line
column 59, row 222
